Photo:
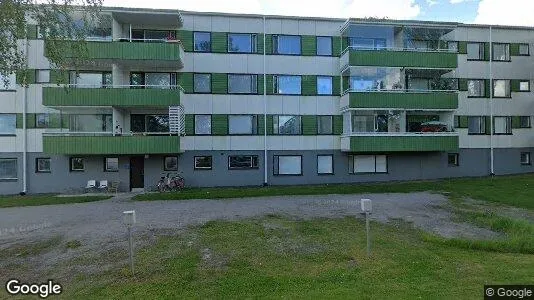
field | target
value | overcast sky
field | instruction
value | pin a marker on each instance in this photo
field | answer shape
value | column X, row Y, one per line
column 505, row 12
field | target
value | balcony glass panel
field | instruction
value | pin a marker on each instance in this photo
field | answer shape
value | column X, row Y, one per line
column 90, row 123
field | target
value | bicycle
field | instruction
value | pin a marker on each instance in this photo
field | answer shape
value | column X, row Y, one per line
column 168, row 183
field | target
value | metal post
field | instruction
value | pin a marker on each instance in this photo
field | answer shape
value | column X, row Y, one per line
column 130, row 246
column 368, row 233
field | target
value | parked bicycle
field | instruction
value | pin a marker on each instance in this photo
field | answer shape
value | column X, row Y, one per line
column 170, row 183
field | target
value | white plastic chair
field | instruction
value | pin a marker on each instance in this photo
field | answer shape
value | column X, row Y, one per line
column 103, row 185
column 91, row 184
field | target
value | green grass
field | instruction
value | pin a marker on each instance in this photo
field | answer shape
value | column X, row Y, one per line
column 510, row 190
column 35, row 200
column 275, row 257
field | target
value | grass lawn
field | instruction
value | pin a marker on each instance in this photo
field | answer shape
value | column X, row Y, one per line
column 511, row 190
column 274, row 257
column 35, row 200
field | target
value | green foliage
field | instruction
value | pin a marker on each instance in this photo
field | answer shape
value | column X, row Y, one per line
column 30, row 200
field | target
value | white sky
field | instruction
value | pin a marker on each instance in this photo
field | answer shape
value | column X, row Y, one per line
column 506, row 12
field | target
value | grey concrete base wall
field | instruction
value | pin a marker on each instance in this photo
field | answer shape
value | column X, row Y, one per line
column 401, row 166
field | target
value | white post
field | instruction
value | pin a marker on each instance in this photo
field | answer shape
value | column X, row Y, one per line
column 265, row 175
column 129, row 221
column 492, row 158
column 366, row 206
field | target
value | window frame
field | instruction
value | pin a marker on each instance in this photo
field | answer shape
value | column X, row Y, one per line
column 37, row 159
column 521, row 122
column 455, row 43
column 508, row 91
column 276, row 169
column 253, row 158
column 16, row 178
column 509, row 59
column 195, row 124
column 276, row 84
column 71, row 166
column 317, row 85
column 525, row 163
column 456, row 162
column 352, row 170
column 108, row 170
column 519, row 49
column 523, row 81
column 483, row 84
column 12, row 86
column 37, row 76
column 277, row 51
column 202, row 168
column 14, row 133
column 252, row 76
column 317, row 45
column 47, row 120
column 194, row 42
column 253, row 123
column 331, row 124
column 508, row 125
column 482, row 126
column 276, row 124
column 165, row 167
column 482, row 50
column 209, row 84
column 331, row 160
column 253, row 42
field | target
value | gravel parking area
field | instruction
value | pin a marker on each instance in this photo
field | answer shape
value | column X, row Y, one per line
column 100, row 222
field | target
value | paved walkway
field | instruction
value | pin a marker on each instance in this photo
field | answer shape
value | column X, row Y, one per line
column 101, row 222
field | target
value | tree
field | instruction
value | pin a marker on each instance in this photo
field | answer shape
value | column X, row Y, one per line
column 58, row 21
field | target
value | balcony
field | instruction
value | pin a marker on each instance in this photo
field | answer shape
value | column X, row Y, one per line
column 107, row 144
column 138, row 53
column 400, row 142
column 400, row 99
column 118, row 96
column 399, row 57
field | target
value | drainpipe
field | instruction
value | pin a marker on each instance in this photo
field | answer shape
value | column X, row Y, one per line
column 492, row 156
column 24, row 129
column 265, row 180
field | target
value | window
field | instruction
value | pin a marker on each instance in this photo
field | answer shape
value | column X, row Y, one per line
column 287, row 165
column 95, row 79
column 324, row 45
column 524, row 86
column 452, row 46
column 502, row 125
column 242, row 43
column 202, row 83
column 475, row 51
column 170, row 163
column 242, row 162
column 452, row 159
column 159, row 80
column 149, row 123
column 476, row 88
column 324, row 85
column 501, row 52
column 501, row 88
column 77, row 164
column 203, row 124
column 90, row 123
column 368, row 43
column 242, row 84
column 290, row 125
column 8, row 124
column 288, row 85
column 368, row 164
column 476, row 125
column 363, row 123
column 42, row 76
column 238, row 124
column 286, row 44
column 324, row 125
column 525, row 158
column 111, row 164
column 325, row 164
column 524, row 49
column 203, row 162
column 42, row 165
column 8, row 169
column 11, row 85
column 202, row 41
column 42, row 120
column 524, row 122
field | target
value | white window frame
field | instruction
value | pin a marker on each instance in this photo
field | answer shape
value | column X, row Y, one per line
column 481, row 51
column 196, row 160
column 278, row 160
column 210, row 125
column 521, row 85
column 331, row 132
column 331, row 79
column 506, row 52
column 276, row 43
column 13, row 130
column 276, row 82
column 71, row 164
column 528, row 157
column 276, row 124
column 507, row 88
column 527, row 47
column 377, row 164
column 324, row 156
column 253, row 38
column 37, row 165
column 482, row 89
column 16, row 168
column 507, row 124
column 107, row 164
column 252, row 128
column 482, row 125
column 253, row 89
column 42, row 76
column 529, row 120
column 254, row 162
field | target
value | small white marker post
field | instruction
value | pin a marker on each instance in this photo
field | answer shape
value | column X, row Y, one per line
column 129, row 221
column 366, row 206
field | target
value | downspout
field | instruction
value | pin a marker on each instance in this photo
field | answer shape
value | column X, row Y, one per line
column 492, row 157
column 24, row 129
column 265, row 175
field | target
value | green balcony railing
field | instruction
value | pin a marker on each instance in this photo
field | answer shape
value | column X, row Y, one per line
column 403, row 99
column 100, row 145
column 400, row 142
column 125, row 50
column 68, row 96
column 403, row 58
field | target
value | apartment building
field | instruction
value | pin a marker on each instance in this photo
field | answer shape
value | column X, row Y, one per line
column 239, row 100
